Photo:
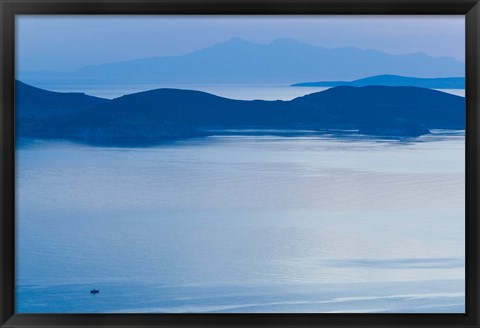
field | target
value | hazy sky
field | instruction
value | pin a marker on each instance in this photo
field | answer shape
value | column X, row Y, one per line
column 69, row 42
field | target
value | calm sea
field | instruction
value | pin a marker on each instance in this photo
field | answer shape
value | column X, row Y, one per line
column 243, row 223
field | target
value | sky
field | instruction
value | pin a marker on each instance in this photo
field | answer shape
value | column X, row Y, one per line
column 66, row 43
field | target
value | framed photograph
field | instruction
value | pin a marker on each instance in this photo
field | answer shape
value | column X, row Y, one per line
column 231, row 163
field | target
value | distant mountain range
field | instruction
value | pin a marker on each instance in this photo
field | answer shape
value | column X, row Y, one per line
column 282, row 61
column 164, row 114
column 393, row 81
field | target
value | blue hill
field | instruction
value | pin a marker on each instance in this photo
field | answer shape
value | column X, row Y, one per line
column 163, row 114
column 39, row 103
column 283, row 61
column 394, row 81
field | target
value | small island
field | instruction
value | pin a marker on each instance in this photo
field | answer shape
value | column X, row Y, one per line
column 393, row 81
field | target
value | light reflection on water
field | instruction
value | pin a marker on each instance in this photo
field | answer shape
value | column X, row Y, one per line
column 306, row 220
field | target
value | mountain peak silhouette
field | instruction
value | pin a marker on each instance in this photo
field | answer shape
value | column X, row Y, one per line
column 282, row 61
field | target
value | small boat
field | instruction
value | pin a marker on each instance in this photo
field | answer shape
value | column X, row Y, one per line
column 94, row 291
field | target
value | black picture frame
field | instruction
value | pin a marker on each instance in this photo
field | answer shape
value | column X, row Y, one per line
column 11, row 8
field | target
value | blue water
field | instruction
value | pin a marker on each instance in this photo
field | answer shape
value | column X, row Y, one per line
column 242, row 223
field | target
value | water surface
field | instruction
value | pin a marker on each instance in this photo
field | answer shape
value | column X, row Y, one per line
column 243, row 223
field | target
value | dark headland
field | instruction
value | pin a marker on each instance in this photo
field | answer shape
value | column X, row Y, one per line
column 168, row 114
